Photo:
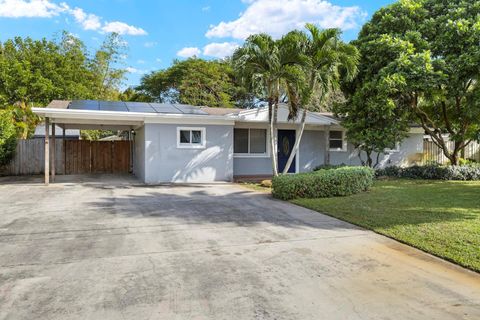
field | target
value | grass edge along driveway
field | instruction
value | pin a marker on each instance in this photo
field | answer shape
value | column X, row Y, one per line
column 439, row 217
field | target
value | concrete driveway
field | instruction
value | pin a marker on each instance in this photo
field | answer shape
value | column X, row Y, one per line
column 113, row 250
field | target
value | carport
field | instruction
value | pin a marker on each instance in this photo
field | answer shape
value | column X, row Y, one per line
column 72, row 115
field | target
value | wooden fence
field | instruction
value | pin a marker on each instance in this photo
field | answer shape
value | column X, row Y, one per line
column 432, row 153
column 72, row 157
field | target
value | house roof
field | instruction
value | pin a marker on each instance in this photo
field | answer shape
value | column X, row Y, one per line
column 221, row 111
column 107, row 115
column 137, row 107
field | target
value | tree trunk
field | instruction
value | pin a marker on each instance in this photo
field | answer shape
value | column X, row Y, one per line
column 454, row 155
column 369, row 158
column 377, row 161
column 273, row 140
column 297, row 142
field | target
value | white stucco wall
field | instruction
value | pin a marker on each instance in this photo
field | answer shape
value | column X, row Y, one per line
column 139, row 154
column 165, row 162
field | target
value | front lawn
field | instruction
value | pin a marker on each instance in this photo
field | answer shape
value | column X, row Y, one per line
column 439, row 217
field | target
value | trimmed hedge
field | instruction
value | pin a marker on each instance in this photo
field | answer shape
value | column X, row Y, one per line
column 329, row 166
column 342, row 181
column 432, row 172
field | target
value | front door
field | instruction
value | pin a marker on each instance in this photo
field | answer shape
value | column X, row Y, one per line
column 286, row 140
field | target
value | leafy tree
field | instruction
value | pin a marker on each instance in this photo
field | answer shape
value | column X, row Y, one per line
column 25, row 120
column 38, row 71
column 269, row 69
column 373, row 121
column 95, row 135
column 130, row 94
column 35, row 72
column 197, row 82
column 8, row 136
column 324, row 59
column 422, row 58
column 106, row 76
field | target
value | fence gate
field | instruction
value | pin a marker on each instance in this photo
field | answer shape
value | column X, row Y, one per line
column 97, row 156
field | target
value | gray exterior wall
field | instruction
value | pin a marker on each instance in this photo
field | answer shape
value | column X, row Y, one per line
column 312, row 154
column 312, row 149
column 158, row 160
column 252, row 166
column 139, row 154
column 164, row 162
column 410, row 149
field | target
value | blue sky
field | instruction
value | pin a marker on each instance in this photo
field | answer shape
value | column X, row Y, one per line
column 159, row 31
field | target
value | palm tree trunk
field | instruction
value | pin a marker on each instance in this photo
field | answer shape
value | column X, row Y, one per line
column 273, row 140
column 297, row 142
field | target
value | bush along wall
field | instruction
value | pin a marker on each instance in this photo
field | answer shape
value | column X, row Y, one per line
column 433, row 172
column 323, row 183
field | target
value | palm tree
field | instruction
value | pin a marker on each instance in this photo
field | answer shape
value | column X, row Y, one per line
column 269, row 69
column 324, row 58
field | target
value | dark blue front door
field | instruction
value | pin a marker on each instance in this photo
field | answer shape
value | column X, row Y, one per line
column 286, row 140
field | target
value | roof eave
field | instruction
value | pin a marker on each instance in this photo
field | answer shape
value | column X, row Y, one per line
column 121, row 116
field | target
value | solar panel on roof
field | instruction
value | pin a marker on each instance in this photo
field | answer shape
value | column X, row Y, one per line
column 113, row 106
column 165, row 108
column 185, row 108
column 139, row 107
column 136, row 104
column 84, row 105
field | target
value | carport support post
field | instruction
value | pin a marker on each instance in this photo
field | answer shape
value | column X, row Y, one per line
column 327, row 145
column 54, row 147
column 47, row 152
column 64, row 151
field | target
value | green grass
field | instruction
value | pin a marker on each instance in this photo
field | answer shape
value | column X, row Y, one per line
column 439, row 217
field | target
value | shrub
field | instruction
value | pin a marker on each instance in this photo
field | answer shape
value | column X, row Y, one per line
column 266, row 183
column 323, row 183
column 329, row 166
column 8, row 137
column 433, row 172
column 467, row 162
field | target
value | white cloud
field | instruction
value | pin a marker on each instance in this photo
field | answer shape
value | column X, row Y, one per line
column 150, row 44
column 48, row 9
column 220, row 50
column 30, row 9
column 135, row 70
column 276, row 17
column 189, row 52
column 123, row 28
column 87, row 21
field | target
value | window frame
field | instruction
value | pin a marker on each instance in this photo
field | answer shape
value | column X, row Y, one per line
column 266, row 154
column 191, row 145
column 344, row 142
column 396, row 150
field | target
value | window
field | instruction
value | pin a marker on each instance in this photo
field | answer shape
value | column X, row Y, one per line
column 336, row 141
column 191, row 138
column 393, row 148
column 251, row 142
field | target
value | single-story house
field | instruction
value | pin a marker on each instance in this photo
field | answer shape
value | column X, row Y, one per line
column 184, row 143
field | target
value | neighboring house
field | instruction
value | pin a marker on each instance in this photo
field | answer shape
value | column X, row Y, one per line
column 183, row 143
column 70, row 134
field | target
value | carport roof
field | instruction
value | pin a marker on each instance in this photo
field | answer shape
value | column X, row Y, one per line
column 82, row 114
column 139, row 107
